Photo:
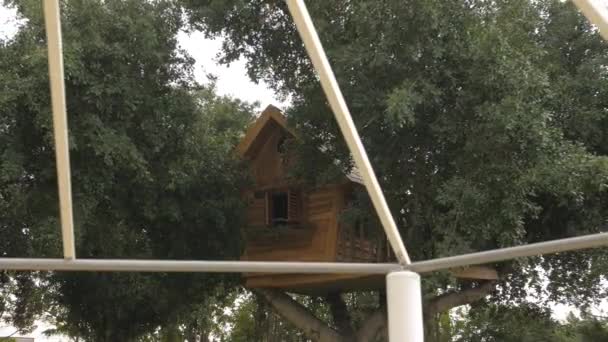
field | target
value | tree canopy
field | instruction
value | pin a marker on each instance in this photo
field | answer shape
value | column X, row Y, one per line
column 153, row 171
column 486, row 121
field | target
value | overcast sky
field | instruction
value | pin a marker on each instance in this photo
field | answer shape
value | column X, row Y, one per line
column 231, row 81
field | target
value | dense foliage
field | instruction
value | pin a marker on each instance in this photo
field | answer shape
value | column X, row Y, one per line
column 485, row 120
column 153, row 171
column 489, row 323
column 483, row 322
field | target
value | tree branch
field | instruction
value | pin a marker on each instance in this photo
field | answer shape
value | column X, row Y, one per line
column 451, row 300
column 374, row 325
column 339, row 313
column 299, row 316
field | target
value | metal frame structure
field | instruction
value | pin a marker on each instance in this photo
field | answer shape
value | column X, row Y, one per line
column 347, row 126
column 439, row 264
column 403, row 281
column 597, row 13
column 60, row 124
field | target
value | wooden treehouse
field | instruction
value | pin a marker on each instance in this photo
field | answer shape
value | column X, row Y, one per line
column 289, row 222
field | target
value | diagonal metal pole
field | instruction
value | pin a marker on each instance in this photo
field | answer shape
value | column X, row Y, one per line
column 60, row 125
column 597, row 13
column 330, row 86
column 508, row 253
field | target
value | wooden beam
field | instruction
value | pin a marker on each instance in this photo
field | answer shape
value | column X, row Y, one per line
column 475, row 272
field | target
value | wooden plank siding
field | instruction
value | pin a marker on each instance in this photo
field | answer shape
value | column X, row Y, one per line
column 317, row 283
column 319, row 222
column 286, row 221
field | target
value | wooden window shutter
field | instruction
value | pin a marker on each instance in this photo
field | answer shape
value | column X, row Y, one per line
column 267, row 207
column 293, row 205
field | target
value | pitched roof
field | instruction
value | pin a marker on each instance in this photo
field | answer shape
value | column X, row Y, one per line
column 272, row 116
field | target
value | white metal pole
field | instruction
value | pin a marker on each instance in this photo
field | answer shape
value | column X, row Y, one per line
column 547, row 247
column 126, row 265
column 353, row 141
column 540, row 248
column 60, row 124
column 404, row 303
column 597, row 13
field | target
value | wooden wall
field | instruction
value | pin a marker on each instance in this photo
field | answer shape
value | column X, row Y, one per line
column 267, row 164
column 321, row 208
column 318, row 230
column 314, row 238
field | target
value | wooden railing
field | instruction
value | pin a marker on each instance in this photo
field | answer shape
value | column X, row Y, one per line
column 356, row 244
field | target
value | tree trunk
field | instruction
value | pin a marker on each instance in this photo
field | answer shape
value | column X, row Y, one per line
column 261, row 331
column 374, row 327
column 340, row 314
column 440, row 304
column 298, row 315
column 451, row 300
column 431, row 329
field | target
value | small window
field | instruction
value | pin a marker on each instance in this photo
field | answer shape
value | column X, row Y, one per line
column 282, row 207
column 279, row 205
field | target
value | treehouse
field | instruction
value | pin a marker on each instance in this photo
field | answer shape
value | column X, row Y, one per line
column 286, row 221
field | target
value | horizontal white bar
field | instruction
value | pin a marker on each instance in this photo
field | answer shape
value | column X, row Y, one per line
column 336, row 101
column 60, row 124
column 533, row 249
column 122, row 265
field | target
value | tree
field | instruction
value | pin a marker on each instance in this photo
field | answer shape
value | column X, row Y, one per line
column 153, row 171
column 587, row 328
column 489, row 322
column 485, row 121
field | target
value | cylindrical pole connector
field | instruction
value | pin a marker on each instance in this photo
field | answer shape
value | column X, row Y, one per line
column 404, row 300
